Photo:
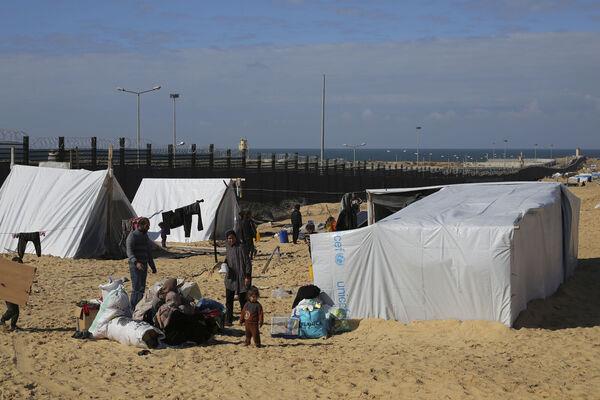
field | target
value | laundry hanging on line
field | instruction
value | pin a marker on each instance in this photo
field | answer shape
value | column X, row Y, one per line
column 183, row 217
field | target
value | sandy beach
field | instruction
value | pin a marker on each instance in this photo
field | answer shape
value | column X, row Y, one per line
column 554, row 352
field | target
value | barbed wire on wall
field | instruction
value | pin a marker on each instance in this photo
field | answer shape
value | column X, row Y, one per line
column 12, row 135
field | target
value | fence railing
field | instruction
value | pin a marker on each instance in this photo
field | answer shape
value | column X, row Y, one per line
column 95, row 156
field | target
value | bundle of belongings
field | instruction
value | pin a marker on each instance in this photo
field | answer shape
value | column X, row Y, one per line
column 182, row 217
column 178, row 309
column 114, row 320
column 313, row 316
column 172, row 312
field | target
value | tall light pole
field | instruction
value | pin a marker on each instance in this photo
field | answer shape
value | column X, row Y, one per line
column 354, row 147
column 174, row 96
column 551, row 146
column 418, row 129
column 494, row 149
column 138, row 113
column 323, row 124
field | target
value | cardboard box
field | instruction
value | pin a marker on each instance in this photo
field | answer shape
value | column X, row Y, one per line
column 85, row 321
column 15, row 281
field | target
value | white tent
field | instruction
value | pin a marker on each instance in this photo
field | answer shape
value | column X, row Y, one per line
column 474, row 251
column 220, row 206
column 80, row 211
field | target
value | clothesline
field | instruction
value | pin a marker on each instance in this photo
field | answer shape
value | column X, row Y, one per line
column 42, row 233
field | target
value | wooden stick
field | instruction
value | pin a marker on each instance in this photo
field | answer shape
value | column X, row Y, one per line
column 270, row 258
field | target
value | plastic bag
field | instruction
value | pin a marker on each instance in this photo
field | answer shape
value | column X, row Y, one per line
column 338, row 320
column 280, row 293
column 312, row 316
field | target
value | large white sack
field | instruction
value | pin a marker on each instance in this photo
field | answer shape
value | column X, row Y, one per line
column 106, row 288
column 131, row 333
column 116, row 304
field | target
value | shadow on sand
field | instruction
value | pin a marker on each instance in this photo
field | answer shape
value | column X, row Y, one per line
column 576, row 303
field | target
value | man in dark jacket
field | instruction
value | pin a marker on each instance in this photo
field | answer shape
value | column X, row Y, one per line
column 239, row 275
column 296, row 223
column 248, row 232
column 139, row 253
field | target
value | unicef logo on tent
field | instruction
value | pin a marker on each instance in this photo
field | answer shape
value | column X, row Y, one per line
column 339, row 250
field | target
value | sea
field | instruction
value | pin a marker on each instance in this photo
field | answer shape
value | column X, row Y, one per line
column 425, row 154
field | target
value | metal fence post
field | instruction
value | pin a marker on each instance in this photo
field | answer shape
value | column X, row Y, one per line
column 211, row 156
column 148, row 154
column 94, row 153
column 61, row 148
column 122, row 152
column 26, row 150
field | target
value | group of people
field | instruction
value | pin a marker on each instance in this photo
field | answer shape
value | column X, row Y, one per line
column 238, row 279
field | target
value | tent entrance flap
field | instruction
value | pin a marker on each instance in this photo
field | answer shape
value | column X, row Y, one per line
column 382, row 205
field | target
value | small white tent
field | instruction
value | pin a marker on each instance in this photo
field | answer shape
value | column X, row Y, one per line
column 474, row 251
column 219, row 209
column 80, row 211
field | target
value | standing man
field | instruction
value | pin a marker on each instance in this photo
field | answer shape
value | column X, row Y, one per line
column 248, row 234
column 239, row 275
column 296, row 223
column 139, row 252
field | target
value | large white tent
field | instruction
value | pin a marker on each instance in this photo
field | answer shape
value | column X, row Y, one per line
column 472, row 251
column 219, row 210
column 80, row 211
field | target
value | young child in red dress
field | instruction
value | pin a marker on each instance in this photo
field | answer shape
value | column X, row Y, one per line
column 252, row 317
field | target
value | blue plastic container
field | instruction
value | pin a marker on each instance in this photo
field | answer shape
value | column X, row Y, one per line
column 283, row 236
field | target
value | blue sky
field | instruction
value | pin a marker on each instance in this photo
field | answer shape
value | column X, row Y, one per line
column 471, row 72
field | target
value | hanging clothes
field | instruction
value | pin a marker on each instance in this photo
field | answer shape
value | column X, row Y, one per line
column 182, row 216
column 186, row 213
column 25, row 238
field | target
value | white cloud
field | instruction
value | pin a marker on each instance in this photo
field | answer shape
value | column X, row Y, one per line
column 367, row 114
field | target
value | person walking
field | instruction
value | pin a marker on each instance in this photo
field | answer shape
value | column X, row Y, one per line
column 239, row 275
column 139, row 253
column 296, row 223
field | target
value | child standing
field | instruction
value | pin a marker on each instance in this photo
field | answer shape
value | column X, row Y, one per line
column 164, row 231
column 252, row 317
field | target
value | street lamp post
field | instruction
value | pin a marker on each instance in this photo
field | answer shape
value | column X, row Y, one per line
column 174, row 96
column 417, row 153
column 551, row 146
column 138, row 113
column 535, row 151
column 354, row 147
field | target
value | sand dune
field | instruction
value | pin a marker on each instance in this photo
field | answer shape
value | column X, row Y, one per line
column 554, row 353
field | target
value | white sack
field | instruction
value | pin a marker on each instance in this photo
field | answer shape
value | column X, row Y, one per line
column 116, row 304
column 129, row 332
